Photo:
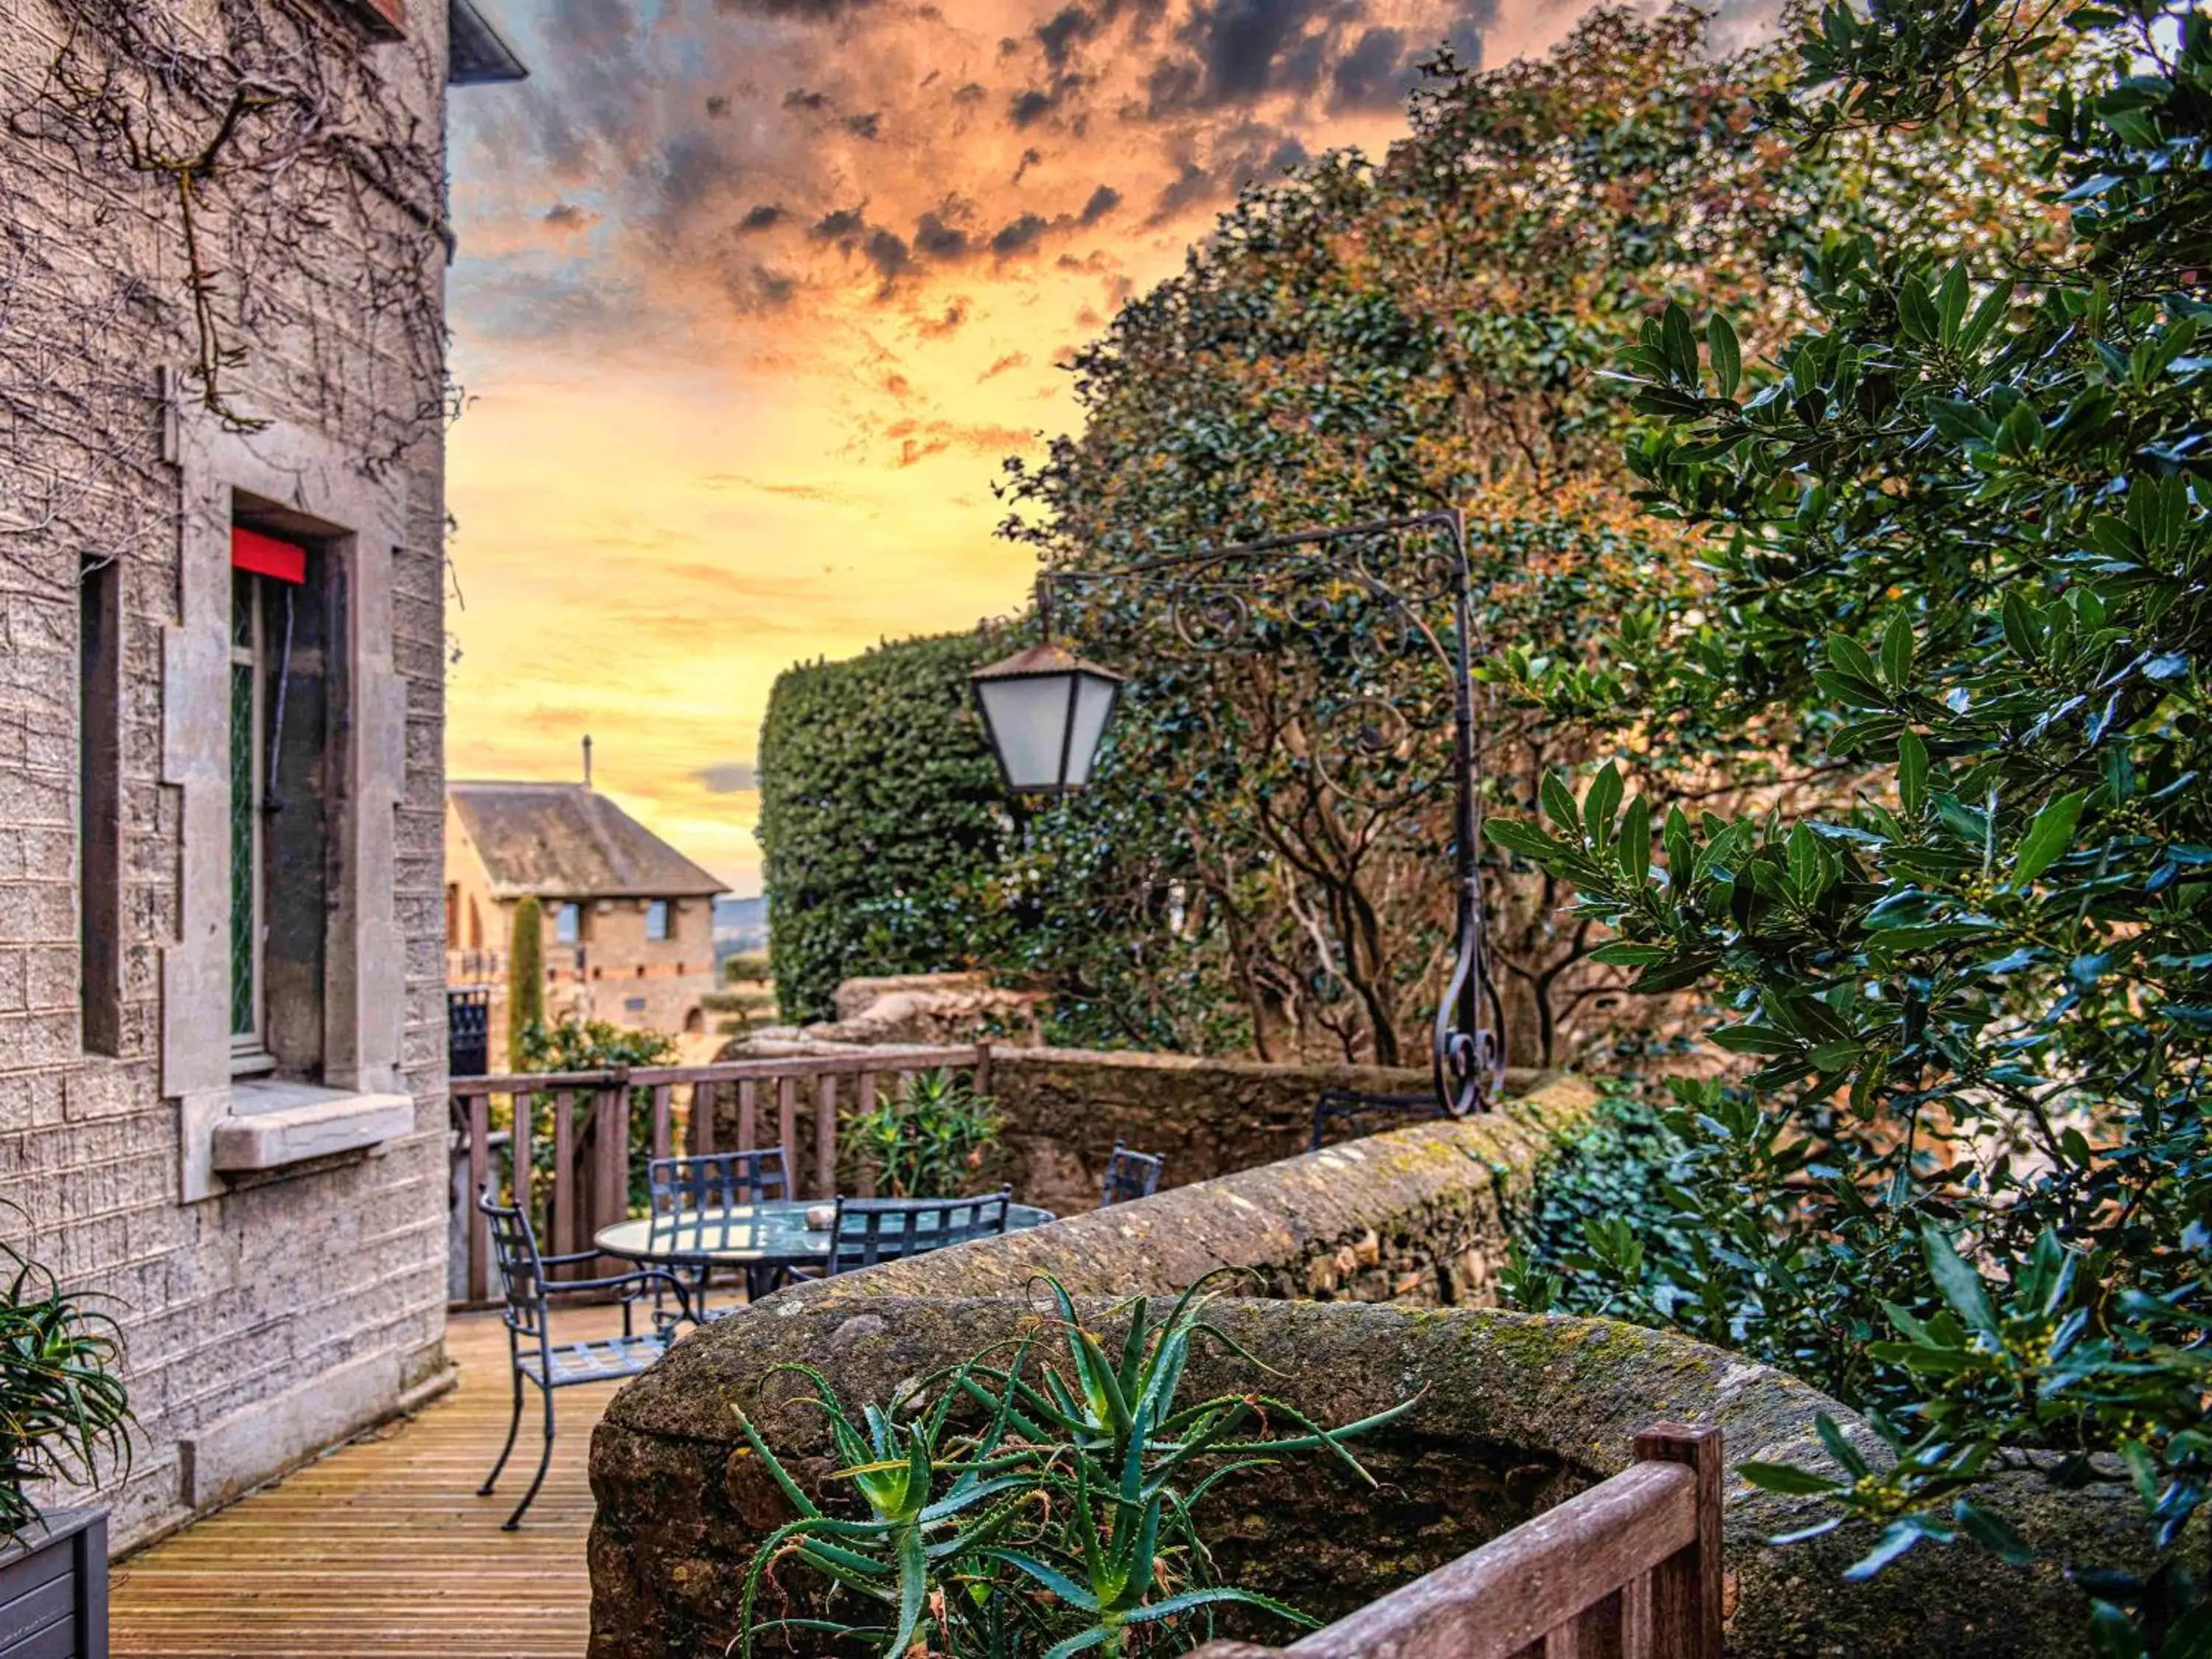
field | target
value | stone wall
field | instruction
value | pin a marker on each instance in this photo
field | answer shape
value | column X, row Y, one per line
column 279, row 1312
column 1067, row 1107
column 1515, row 1412
column 1416, row 1216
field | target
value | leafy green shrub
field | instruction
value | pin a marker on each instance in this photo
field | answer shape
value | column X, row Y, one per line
column 936, row 1138
column 592, row 1045
column 62, row 1406
column 1962, row 530
column 880, row 803
column 747, row 968
column 1062, row 1522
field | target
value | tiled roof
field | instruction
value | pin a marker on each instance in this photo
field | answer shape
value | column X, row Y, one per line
column 564, row 841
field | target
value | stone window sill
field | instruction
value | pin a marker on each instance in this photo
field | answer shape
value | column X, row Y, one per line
column 274, row 1124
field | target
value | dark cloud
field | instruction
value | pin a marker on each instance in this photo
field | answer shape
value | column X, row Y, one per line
column 887, row 251
column 1019, row 236
column 761, row 215
column 973, row 93
column 939, row 239
column 805, row 11
column 1376, row 73
column 1248, row 153
column 1061, row 33
column 1103, row 200
column 842, row 227
column 799, row 98
column 1012, row 359
column 763, row 286
column 718, row 107
column 728, row 778
column 567, row 215
column 1249, row 47
column 1029, row 159
column 867, row 126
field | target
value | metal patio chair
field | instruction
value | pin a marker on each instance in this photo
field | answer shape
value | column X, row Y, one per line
column 1351, row 1106
column 1129, row 1174
column 533, row 1354
column 714, row 1181
column 871, row 1230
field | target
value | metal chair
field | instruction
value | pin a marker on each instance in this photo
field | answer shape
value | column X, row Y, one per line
column 532, row 1353
column 868, row 1230
column 1350, row 1105
column 714, row 1181
column 1129, row 1174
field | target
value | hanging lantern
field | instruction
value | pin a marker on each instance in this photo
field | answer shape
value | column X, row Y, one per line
column 1046, row 709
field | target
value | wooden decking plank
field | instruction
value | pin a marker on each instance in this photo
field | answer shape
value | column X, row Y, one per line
column 382, row 1550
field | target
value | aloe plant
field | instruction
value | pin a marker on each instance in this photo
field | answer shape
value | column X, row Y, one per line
column 1062, row 1522
column 63, row 1407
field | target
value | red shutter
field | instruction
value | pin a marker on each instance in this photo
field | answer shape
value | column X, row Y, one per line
column 267, row 555
column 387, row 19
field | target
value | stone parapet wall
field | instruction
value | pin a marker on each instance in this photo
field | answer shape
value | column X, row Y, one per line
column 1067, row 1107
column 1515, row 1413
column 1415, row 1216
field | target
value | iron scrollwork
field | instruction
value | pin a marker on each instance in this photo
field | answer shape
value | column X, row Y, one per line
column 1253, row 596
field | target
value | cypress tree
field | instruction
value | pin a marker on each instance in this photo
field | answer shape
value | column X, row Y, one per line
column 526, row 975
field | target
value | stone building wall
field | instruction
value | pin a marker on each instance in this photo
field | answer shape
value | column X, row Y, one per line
column 266, row 1314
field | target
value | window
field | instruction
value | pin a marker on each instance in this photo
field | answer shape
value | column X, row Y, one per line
column 279, row 833
column 249, row 683
column 452, row 916
column 569, row 924
column 100, row 807
column 656, row 919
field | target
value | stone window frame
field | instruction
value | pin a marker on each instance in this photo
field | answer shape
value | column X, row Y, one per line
column 238, row 1126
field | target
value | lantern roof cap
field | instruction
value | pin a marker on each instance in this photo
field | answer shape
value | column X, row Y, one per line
column 1050, row 657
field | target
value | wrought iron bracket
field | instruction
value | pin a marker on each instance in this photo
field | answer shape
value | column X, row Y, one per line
column 1467, row 1040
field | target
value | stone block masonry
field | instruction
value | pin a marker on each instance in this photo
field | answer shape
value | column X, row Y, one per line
column 265, row 1314
column 1345, row 1256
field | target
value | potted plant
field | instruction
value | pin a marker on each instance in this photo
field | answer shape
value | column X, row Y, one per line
column 63, row 1409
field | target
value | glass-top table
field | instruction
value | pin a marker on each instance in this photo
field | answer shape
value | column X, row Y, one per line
column 773, row 1235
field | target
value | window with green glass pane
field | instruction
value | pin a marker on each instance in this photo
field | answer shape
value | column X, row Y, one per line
column 246, row 676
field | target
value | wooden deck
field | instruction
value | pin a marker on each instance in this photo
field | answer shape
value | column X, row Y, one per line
column 382, row 1550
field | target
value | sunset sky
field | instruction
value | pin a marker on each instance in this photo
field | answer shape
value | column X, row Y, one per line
column 753, row 296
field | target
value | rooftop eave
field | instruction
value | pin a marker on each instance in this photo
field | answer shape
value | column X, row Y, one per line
column 475, row 53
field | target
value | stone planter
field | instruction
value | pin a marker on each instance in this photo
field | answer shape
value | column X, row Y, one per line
column 54, row 1589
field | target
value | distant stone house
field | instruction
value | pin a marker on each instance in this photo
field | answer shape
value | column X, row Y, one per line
column 629, row 921
column 222, row 396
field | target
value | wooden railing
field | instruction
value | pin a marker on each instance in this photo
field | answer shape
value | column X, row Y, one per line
column 592, row 1153
column 1630, row 1569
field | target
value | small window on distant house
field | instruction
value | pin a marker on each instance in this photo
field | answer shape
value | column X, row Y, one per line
column 656, row 919
column 569, row 924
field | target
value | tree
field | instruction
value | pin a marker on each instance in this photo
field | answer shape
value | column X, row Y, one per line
column 525, row 976
column 1960, row 534
column 1368, row 339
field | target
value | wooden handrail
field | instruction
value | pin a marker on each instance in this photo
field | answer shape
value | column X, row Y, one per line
column 591, row 1149
column 1631, row 1567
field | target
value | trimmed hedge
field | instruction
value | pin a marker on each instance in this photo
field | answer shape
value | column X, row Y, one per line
column 881, row 809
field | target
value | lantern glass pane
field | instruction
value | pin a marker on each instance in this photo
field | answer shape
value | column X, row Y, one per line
column 1028, row 718
column 1094, row 701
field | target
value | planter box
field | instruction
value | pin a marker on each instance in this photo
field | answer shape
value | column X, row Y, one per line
column 54, row 1589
